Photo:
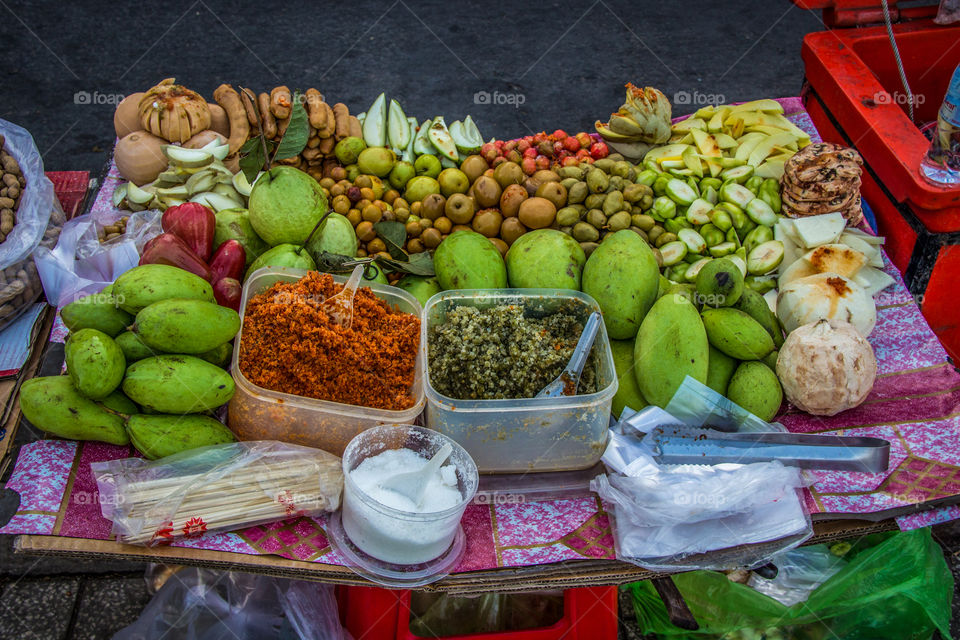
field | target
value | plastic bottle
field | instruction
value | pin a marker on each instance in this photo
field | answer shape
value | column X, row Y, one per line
column 941, row 165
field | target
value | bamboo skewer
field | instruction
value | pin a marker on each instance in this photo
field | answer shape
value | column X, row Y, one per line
column 271, row 488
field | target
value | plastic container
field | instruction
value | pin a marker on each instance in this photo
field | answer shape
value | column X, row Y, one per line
column 255, row 413
column 391, row 535
column 526, row 434
column 372, row 613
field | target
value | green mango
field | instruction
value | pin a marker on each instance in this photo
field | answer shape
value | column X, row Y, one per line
column 468, row 260
column 234, row 224
column 177, row 384
column 186, row 326
column 120, row 403
column 420, row 287
column 219, row 356
column 54, row 405
column 623, row 277
column 95, row 363
column 736, row 334
column 335, row 235
column 756, row 388
column 720, row 369
column 141, row 286
column 671, row 344
column 755, row 306
column 771, row 360
column 283, row 255
column 663, row 285
column 628, row 391
column 97, row 311
column 161, row 435
column 545, row 259
column 133, row 347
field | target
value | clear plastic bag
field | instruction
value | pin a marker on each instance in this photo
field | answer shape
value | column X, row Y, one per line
column 216, row 488
column 39, row 221
column 202, row 604
column 682, row 517
column 80, row 264
column 799, row 572
column 36, row 202
column 948, row 12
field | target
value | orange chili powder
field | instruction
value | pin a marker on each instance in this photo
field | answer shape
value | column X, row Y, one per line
column 289, row 344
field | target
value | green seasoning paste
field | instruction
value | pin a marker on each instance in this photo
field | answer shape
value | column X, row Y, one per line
column 498, row 353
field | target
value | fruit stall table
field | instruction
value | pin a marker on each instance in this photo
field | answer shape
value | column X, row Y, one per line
column 559, row 542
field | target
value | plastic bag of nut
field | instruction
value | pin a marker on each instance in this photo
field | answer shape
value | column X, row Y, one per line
column 30, row 217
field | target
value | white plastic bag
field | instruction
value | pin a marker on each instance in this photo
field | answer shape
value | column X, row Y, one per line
column 203, row 604
column 36, row 200
column 80, row 264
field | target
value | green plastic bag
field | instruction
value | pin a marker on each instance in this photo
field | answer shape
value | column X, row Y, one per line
column 895, row 585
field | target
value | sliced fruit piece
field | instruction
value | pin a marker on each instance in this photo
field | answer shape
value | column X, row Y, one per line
column 768, row 105
column 180, row 192
column 375, row 123
column 216, row 201
column 680, row 192
column 747, row 143
column 722, row 249
column 466, row 143
column 398, row 129
column 791, row 253
column 241, row 184
column 441, row 139
column 716, row 121
column 409, row 154
column 691, row 273
column 119, row 194
column 765, row 258
column 698, row 212
column 657, row 154
column 472, row 132
column 137, row 195
column 835, row 258
column 873, row 280
column 694, row 241
column 736, row 193
column 692, row 160
column 688, row 124
column 873, row 254
column 633, row 151
column 673, row 252
column 762, row 150
column 705, row 113
column 814, row 231
column 187, row 158
column 421, row 144
column 738, row 174
column 770, row 169
column 706, row 143
column 725, row 141
column 200, row 182
column 760, row 212
column 604, row 130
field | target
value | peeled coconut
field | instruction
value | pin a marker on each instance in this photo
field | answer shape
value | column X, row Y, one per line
column 826, row 367
column 139, row 157
column 826, row 296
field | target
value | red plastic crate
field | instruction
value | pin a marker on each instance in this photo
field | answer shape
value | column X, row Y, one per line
column 371, row 613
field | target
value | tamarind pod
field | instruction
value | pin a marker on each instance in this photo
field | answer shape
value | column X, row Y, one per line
column 269, row 122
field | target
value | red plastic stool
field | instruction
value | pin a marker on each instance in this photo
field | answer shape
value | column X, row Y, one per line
column 370, row 613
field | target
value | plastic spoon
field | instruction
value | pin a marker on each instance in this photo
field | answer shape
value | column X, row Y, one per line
column 413, row 484
column 340, row 306
column 566, row 383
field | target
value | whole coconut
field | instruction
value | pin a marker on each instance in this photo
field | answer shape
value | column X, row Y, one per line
column 826, row 367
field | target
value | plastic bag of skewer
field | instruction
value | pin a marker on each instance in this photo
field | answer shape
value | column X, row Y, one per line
column 216, row 488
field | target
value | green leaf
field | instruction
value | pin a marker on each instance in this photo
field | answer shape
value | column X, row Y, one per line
column 419, row 264
column 251, row 163
column 249, row 145
column 394, row 235
column 297, row 133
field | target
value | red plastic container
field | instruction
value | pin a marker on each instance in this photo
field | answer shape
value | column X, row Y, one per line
column 854, row 97
column 371, row 613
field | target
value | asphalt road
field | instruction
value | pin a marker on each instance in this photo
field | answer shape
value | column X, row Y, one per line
column 517, row 69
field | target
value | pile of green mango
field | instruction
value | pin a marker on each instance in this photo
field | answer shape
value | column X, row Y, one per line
column 146, row 362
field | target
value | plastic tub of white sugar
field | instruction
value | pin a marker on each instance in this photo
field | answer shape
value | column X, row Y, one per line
column 388, row 525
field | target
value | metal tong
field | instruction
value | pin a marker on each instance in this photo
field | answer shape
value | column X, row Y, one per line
column 687, row 445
